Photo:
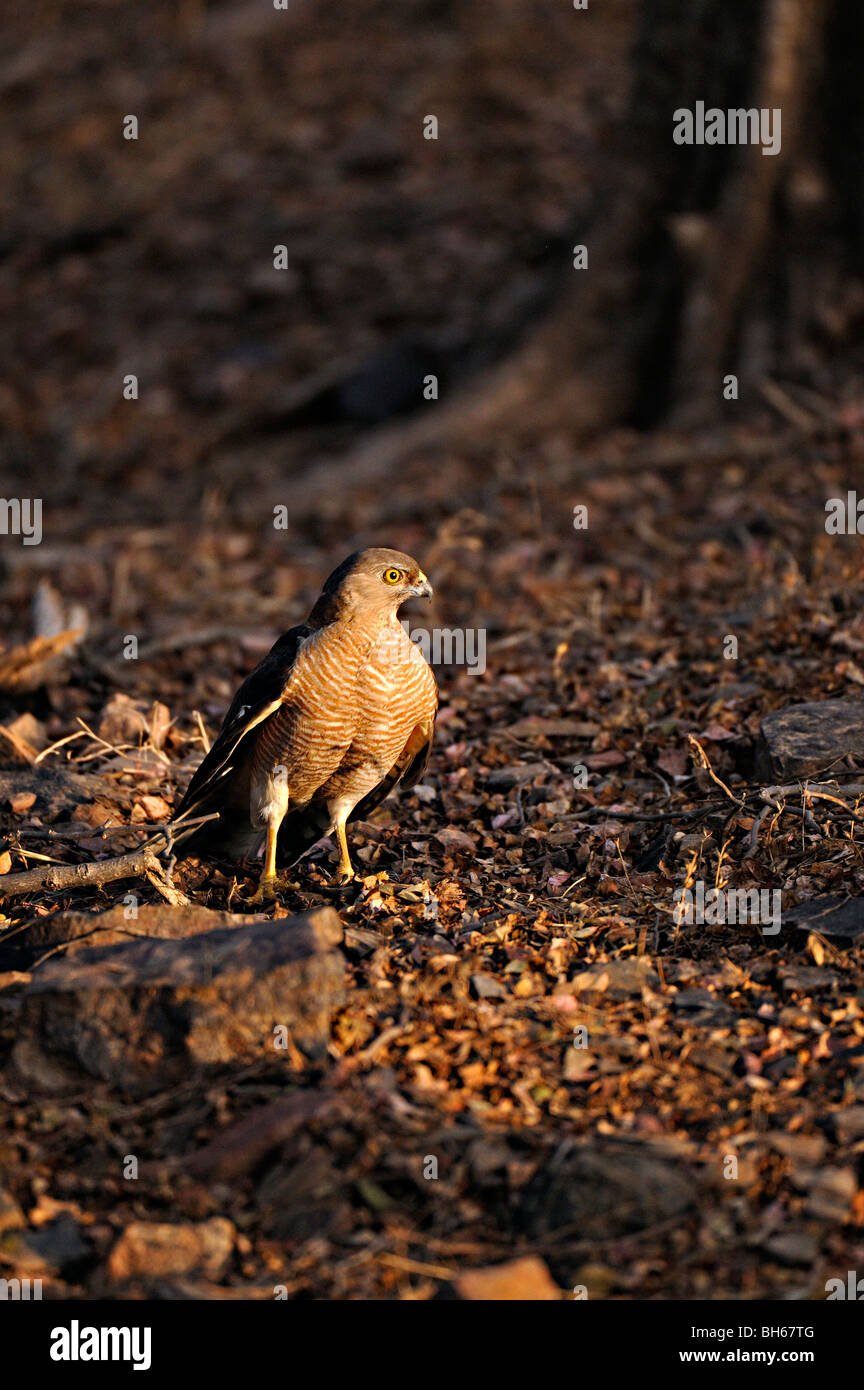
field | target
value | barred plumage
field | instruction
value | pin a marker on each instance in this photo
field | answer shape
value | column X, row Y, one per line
column 340, row 711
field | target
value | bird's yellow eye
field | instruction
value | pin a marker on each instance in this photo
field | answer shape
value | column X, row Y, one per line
column 392, row 576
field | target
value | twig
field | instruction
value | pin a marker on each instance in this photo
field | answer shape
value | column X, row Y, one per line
column 202, row 731
column 165, row 888
column 143, row 861
column 53, row 747
column 793, row 413
column 636, row 816
column 753, row 839
column 818, row 788
column 702, row 758
column 416, row 1267
column 71, row 830
column 60, row 876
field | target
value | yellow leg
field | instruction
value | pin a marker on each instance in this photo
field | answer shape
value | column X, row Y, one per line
column 266, row 890
column 344, row 872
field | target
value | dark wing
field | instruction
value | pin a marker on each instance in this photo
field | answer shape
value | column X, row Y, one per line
column 221, row 782
column 300, row 829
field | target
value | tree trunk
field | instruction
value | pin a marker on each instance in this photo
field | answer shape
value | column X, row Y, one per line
column 703, row 259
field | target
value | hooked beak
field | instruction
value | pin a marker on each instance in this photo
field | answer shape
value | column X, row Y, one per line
column 422, row 589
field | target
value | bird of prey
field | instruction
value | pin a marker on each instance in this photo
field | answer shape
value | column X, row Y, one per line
column 340, row 710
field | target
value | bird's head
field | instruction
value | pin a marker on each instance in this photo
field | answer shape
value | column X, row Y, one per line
column 377, row 581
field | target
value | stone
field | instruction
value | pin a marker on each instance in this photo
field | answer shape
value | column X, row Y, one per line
column 830, row 1192
column 848, row 1123
column 805, row 740
column 603, row 1191
column 139, row 1015
column 158, row 1250
column 305, row 1197
column 792, row 1248
column 55, row 792
column 51, row 1249
column 518, row 1281
column 622, row 978
column 806, row 979
column 76, row 931
column 829, row 916
column 11, row 1216
column 487, row 987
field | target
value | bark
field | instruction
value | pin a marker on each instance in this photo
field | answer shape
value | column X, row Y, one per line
column 679, row 240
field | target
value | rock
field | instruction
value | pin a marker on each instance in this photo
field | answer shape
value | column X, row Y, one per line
column 11, row 1216
column 41, row 1073
column 518, row 1281
column 803, row 740
column 829, row 916
column 848, row 1123
column 487, row 987
column 155, row 1250
column 139, row 1015
column 52, row 1249
column 579, row 1065
column 806, row 979
column 453, row 841
column 304, row 1198
column 55, row 792
column 805, row 1148
column 21, row 740
column 720, row 1061
column 84, row 930
column 242, row 1146
column 597, row 1280
column 603, row 1191
column 792, row 1248
column 123, row 720
column 620, row 977
column 830, row 1192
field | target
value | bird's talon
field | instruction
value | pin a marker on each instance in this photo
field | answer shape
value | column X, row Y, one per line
column 269, row 889
column 264, row 893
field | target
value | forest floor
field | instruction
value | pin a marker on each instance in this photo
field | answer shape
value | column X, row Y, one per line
column 532, row 1056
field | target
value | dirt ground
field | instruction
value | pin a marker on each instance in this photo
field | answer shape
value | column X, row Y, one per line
column 707, row 1140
